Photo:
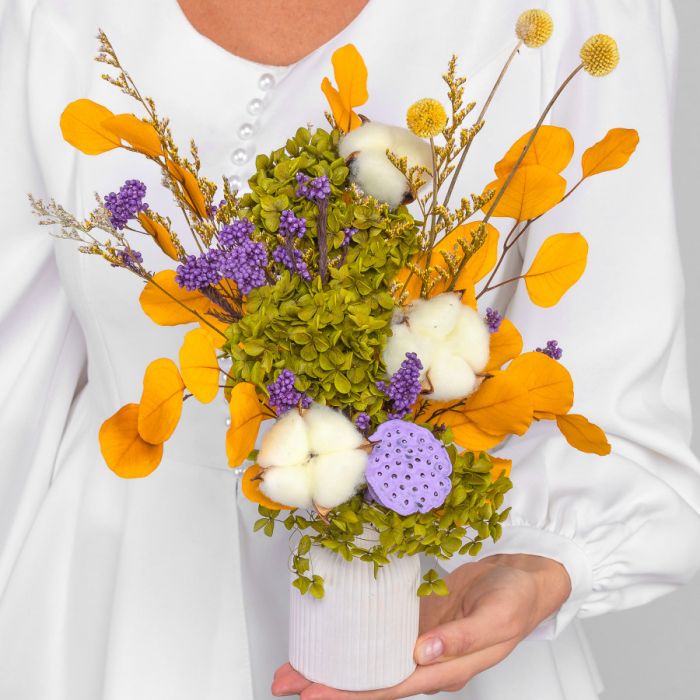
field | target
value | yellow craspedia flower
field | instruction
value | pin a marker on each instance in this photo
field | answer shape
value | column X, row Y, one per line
column 426, row 118
column 600, row 55
column 534, row 28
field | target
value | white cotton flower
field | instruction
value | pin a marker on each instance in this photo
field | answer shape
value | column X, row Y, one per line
column 365, row 149
column 450, row 339
column 313, row 458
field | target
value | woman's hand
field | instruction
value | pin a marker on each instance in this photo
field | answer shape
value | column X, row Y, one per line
column 493, row 605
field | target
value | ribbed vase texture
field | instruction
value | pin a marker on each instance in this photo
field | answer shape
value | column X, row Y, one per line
column 361, row 635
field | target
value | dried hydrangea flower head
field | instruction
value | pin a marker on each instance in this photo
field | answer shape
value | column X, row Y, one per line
column 600, row 55
column 409, row 469
column 426, row 118
column 534, row 28
column 451, row 341
column 365, row 150
column 312, row 458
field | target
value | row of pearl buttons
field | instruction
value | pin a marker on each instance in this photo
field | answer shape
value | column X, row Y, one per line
column 241, row 155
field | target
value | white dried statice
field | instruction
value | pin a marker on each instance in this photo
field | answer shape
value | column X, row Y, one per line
column 365, row 149
column 312, row 459
column 451, row 341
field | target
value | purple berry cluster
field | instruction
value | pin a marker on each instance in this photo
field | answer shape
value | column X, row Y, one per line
column 349, row 232
column 552, row 350
column 127, row 203
column 317, row 189
column 198, row 272
column 128, row 258
column 408, row 469
column 236, row 233
column 404, row 386
column 493, row 320
column 283, row 395
column 282, row 256
column 291, row 225
column 362, row 421
column 245, row 264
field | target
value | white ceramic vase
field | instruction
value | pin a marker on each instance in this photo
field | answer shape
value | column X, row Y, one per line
column 361, row 634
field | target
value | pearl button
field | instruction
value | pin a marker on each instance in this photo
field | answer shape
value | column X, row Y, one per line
column 235, row 183
column 255, row 106
column 246, row 131
column 238, row 471
column 266, row 82
column 228, row 421
column 239, row 156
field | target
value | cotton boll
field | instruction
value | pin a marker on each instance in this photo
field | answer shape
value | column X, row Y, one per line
column 435, row 317
column 285, row 443
column 371, row 136
column 451, row 377
column 471, row 339
column 336, row 477
column 416, row 150
column 290, row 485
column 330, row 431
column 402, row 341
column 377, row 176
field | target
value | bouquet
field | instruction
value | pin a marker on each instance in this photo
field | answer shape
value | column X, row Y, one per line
column 341, row 301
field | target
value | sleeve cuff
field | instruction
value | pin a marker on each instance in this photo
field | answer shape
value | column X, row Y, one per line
column 519, row 539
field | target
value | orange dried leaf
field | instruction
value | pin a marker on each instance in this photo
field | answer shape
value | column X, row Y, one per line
column 548, row 381
column 166, row 303
column 501, row 405
column 160, row 234
column 350, row 74
column 199, row 366
column 160, row 407
column 505, row 344
column 141, row 135
column 611, row 153
column 250, row 485
column 553, row 148
column 558, row 265
column 468, row 293
column 81, row 125
column 126, row 453
column 583, row 435
column 500, row 467
column 468, row 435
column 247, row 413
column 216, row 336
column 189, row 187
column 533, row 190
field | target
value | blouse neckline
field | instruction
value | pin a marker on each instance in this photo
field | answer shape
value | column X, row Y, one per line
column 184, row 21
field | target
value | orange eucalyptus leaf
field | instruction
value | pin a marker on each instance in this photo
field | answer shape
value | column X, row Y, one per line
column 533, row 191
column 126, row 453
column 160, row 234
column 500, row 467
column 558, row 265
column 199, row 366
column 501, row 405
column 468, row 435
column 611, row 153
column 345, row 119
column 160, row 407
column 350, row 74
column 548, row 381
column 468, row 293
column 247, row 413
column 190, row 188
column 545, row 415
column 140, row 135
column 552, row 148
column 250, row 485
column 162, row 301
column 583, row 435
column 81, row 125
column 505, row 344
column 215, row 336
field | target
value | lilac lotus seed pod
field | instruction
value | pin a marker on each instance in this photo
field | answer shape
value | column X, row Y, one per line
column 408, row 469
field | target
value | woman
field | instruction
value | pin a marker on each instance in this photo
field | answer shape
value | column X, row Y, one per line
column 149, row 589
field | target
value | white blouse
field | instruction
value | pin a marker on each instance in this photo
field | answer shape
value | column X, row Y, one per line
column 157, row 588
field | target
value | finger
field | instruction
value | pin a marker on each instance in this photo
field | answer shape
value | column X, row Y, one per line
column 493, row 620
column 448, row 676
column 288, row 682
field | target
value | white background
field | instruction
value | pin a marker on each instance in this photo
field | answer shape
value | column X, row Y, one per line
column 653, row 653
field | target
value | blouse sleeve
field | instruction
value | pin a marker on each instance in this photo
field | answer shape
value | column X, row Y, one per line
column 625, row 526
column 41, row 345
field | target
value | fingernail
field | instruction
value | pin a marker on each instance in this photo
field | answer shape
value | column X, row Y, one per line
column 430, row 650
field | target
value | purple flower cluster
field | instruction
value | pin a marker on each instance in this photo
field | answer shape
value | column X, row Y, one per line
column 245, row 264
column 362, row 421
column 552, row 350
column 198, row 272
column 128, row 258
column 349, row 232
column 127, row 203
column 236, row 233
column 291, row 225
column 317, row 189
column 404, row 386
column 493, row 319
column 281, row 255
column 283, row 395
